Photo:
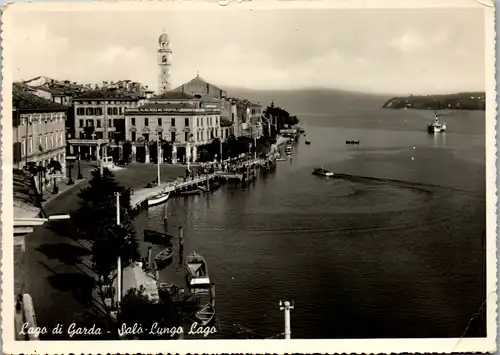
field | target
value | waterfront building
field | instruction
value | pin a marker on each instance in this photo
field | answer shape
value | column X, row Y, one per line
column 100, row 118
column 245, row 116
column 182, row 120
column 164, row 63
column 38, row 129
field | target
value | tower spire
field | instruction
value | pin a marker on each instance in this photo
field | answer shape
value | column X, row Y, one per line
column 164, row 63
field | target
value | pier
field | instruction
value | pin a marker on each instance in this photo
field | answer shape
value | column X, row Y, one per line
column 141, row 196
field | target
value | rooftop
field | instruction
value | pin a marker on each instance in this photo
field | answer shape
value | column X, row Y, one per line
column 198, row 80
column 109, row 94
column 23, row 99
column 24, row 195
column 173, row 95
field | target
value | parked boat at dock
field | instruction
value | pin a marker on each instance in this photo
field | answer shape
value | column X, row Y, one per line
column 154, row 237
column 158, row 199
column 206, row 314
column 196, row 271
column 190, row 192
column 203, row 189
column 323, row 172
column 164, row 256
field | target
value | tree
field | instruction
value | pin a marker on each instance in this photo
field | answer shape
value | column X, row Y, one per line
column 95, row 221
column 136, row 307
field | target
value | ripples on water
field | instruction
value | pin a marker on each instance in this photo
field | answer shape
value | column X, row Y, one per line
column 401, row 256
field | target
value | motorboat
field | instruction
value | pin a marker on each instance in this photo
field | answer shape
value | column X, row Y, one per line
column 351, row 142
column 197, row 271
column 206, row 314
column 323, row 172
column 164, row 256
column 158, row 199
column 436, row 126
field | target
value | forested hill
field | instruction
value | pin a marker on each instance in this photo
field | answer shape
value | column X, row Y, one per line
column 460, row 101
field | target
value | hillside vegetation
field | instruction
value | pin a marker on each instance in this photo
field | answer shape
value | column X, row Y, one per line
column 460, row 101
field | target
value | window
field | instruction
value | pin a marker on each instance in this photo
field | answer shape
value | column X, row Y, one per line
column 197, row 136
column 216, row 121
column 146, row 121
column 121, row 110
column 146, row 136
column 186, row 122
column 110, row 111
column 133, row 137
column 80, row 111
column 208, row 122
column 197, row 121
column 30, row 145
column 186, row 136
column 98, row 123
column 52, row 140
column 172, row 122
column 46, row 141
column 132, row 121
column 89, row 123
column 89, row 111
column 61, row 141
column 82, row 136
column 23, row 148
column 160, row 136
column 159, row 121
column 110, row 123
column 98, row 111
column 172, row 136
column 115, row 111
column 81, row 123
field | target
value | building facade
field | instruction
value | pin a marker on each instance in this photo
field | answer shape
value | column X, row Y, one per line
column 164, row 63
column 38, row 130
column 180, row 119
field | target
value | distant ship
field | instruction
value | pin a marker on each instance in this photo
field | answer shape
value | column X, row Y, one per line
column 436, row 126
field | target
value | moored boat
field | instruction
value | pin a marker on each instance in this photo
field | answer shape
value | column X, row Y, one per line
column 322, row 172
column 351, row 142
column 164, row 256
column 282, row 159
column 307, row 142
column 190, row 192
column 206, row 314
column 158, row 199
column 203, row 189
column 197, row 271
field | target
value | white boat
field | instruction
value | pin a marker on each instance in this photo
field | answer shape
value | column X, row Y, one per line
column 281, row 159
column 323, row 172
column 158, row 199
column 197, row 271
column 436, row 126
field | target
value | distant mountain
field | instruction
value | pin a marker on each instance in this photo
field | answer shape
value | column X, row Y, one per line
column 310, row 101
column 459, row 101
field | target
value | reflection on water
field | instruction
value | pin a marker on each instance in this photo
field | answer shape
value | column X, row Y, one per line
column 400, row 255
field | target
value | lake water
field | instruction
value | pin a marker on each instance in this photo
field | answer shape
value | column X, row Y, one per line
column 401, row 255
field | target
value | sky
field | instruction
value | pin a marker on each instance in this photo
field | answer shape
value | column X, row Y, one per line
column 371, row 50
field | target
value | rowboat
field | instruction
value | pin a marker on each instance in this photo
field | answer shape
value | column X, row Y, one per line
column 190, row 192
column 203, row 189
column 164, row 256
column 206, row 314
column 158, row 199
column 154, row 237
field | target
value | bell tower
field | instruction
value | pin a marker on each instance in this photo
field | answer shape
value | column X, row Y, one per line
column 164, row 63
